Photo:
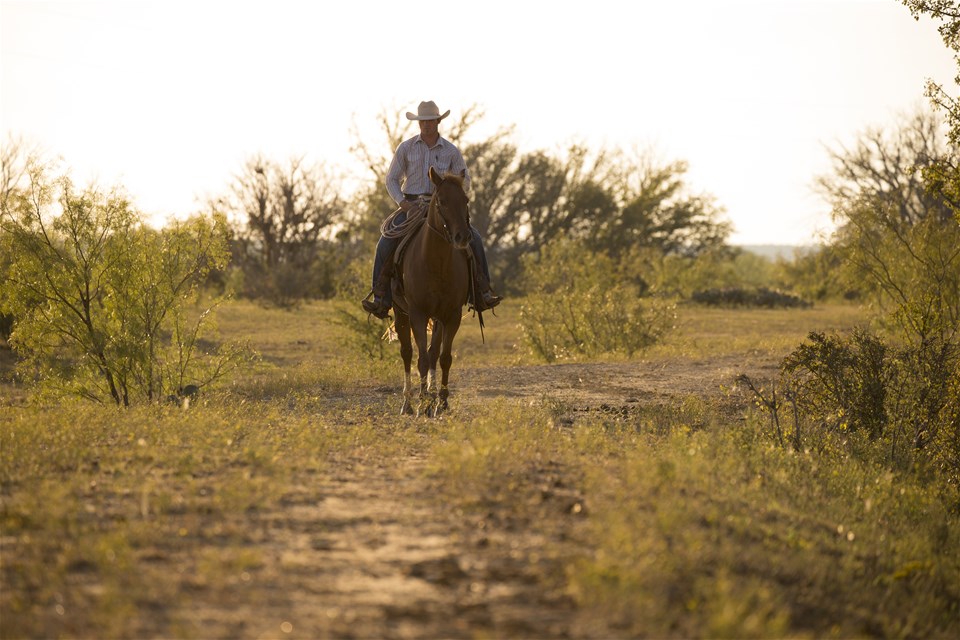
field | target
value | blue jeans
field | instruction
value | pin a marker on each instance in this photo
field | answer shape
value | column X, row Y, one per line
column 386, row 247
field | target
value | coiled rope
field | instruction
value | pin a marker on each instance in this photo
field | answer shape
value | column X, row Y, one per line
column 415, row 215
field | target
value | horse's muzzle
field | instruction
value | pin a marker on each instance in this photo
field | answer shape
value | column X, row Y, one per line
column 461, row 240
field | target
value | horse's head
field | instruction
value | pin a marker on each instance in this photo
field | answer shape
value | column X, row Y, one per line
column 453, row 207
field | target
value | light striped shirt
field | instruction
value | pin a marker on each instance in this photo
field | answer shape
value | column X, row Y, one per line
column 410, row 169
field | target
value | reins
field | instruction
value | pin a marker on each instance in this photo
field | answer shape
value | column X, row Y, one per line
column 415, row 216
column 443, row 233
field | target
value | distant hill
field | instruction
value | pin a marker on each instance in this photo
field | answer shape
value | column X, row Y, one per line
column 774, row 251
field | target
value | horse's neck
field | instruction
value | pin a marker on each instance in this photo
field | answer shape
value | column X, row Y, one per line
column 434, row 235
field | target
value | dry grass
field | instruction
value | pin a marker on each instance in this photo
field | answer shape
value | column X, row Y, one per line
column 709, row 331
column 295, row 503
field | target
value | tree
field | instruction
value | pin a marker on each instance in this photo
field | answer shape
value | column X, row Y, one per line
column 371, row 204
column 901, row 244
column 535, row 208
column 615, row 204
column 886, row 164
column 913, row 271
column 657, row 211
column 101, row 301
column 284, row 211
column 896, row 232
column 15, row 159
column 528, row 200
column 493, row 177
column 944, row 176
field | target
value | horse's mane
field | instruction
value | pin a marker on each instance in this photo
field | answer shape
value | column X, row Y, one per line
column 453, row 177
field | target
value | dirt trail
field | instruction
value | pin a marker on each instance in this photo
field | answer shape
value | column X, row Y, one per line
column 615, row 384
column 366, row 552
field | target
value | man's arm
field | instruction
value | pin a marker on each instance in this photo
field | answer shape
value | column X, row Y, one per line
column 395, row 174
column 459, row 166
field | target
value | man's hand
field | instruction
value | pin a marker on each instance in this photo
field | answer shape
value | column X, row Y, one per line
column 406, row 204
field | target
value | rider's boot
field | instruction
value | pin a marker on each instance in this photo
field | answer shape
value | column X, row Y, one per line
column 379, row 306
column 488, row 299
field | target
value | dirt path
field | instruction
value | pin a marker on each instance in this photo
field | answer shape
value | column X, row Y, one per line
column 367, row 553
column 366, row 550
column 615, row 384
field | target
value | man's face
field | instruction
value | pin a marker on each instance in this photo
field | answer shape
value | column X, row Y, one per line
column 428, row 127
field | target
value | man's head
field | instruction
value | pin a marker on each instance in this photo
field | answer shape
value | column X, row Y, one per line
column 428, row 111
column 428, row 117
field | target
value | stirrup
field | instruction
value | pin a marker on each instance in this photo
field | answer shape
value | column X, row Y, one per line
column 494, row 299
column 376, row 307
column 481, row 305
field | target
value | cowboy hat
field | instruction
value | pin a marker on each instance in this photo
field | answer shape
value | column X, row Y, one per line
column 428, row 111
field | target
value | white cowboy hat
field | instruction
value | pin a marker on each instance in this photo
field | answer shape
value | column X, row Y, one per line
column 428, row 111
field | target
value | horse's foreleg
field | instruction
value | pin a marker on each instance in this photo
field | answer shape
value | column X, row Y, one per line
column 407, row 408
column 446, row 360
column 402, row 326
column 419, row 327
column 436, row 337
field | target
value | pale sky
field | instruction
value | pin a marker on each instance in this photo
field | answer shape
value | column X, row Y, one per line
column 169, row 98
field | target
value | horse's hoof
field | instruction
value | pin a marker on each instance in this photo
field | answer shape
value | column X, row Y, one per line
column 406, row 409
column 426, row 407
column 439, row 408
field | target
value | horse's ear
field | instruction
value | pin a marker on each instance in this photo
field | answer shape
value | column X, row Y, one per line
column 435, row 177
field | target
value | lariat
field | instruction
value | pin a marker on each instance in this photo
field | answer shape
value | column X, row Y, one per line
column 415, row 216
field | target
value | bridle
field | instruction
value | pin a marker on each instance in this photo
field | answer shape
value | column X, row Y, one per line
column 445, row 232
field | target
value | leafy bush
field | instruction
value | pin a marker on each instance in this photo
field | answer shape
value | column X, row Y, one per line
column 817, row 275
column 580, row 304
column 912, row 272
column 744, row 297
column 103, row 304
column 721, row 268
column 844, row 379
column 899, row 243
column 365, row 334
column 898, row 403
column 6, row 326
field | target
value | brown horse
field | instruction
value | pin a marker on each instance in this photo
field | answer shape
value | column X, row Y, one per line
column 433, row 283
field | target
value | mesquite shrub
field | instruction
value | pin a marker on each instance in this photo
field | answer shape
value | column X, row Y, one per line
column 579, row 305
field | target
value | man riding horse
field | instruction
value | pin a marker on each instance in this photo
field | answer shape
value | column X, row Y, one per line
column 408, row 180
